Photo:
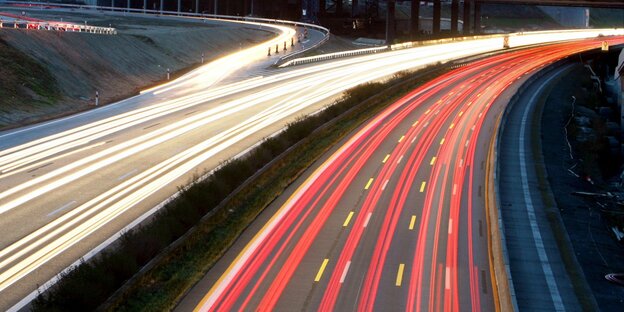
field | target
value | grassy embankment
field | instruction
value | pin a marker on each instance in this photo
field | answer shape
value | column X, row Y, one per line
column 23, row 81
column 225, row 204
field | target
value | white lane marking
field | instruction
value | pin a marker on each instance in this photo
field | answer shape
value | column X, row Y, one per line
column 123, row 177
column 344, row 272
column 383, row 187
column 447, row 279
column 400, row 158
column 537, row 236
column 71, row 203
column 368, row 216
column 450, row 227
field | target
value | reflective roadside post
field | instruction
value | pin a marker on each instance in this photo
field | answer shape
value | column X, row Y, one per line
column 97, row 98
column 202, row 59
column 168, row 73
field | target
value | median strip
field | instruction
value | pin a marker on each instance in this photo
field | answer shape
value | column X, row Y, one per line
column 216, row 210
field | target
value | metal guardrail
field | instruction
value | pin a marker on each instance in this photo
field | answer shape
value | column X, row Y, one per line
column 44, row 5
column 283, row 59
column 505, row 38
column 398, row 46
column 331, row 56
column 57, row 26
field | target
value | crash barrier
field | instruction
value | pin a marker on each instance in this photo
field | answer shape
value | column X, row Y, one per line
column 507, row 41
column 44, row 5
column 25, row 22
column 331, row 56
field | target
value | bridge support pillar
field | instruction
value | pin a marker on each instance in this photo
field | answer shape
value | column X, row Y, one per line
column 477, row 17
column 338, row 7
column 415, row 19
column 390, row 22
column 466, row 16
column 437, row 8
column 354, row 8
column 454, row 16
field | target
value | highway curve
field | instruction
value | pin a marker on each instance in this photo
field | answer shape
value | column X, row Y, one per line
column 394, row 218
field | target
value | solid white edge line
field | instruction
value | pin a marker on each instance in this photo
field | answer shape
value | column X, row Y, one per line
column 535, row 231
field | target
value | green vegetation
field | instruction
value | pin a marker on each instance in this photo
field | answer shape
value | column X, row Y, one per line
column 20, row 76
column 225, row 203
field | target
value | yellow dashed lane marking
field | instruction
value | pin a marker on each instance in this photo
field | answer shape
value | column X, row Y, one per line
column 320, row 272
column 370, row 181
column 412, row 223
column 346, row 223
column 399, row 277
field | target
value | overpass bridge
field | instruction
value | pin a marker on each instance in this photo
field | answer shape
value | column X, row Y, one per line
column 470, row 15
column 311, row 10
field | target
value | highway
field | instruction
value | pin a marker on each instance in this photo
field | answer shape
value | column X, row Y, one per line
column 70, row 185
column 394, row 218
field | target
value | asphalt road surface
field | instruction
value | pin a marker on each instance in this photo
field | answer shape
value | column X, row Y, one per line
column 536, row 263
column 69, row 185
column 395, row 217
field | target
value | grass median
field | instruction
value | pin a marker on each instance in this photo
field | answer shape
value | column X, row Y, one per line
column 153, row 266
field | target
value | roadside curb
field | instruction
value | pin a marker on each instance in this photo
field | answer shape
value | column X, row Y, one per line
column 504, row 292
